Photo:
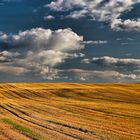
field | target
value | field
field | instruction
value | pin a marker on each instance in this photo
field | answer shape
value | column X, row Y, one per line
column 69, row 111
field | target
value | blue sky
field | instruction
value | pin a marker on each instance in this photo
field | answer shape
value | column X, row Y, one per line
column 70, row 40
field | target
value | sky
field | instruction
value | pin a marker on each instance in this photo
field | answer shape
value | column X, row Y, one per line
column 70, row 41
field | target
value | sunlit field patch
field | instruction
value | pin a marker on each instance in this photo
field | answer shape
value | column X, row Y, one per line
column 68, row 111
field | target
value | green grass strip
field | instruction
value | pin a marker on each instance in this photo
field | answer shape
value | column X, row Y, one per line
column 24, row 130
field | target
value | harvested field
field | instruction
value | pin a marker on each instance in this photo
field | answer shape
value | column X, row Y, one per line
column 69, row 111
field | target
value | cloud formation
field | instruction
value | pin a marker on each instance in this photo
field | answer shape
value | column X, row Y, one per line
column 40, row 50
column 101, row 10
column 128, row 24
column 106, row 60
column 120, row 69
column 101, row 76
column 91, row 42
column 6, row 56
column 49, row 17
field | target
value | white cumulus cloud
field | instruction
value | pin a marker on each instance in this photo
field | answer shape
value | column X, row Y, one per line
column 40, row 50
column 101, row 10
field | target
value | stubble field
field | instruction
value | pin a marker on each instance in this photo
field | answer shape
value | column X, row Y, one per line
column 69, row 111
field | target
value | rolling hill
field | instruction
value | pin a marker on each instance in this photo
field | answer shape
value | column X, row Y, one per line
column 69, row 111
